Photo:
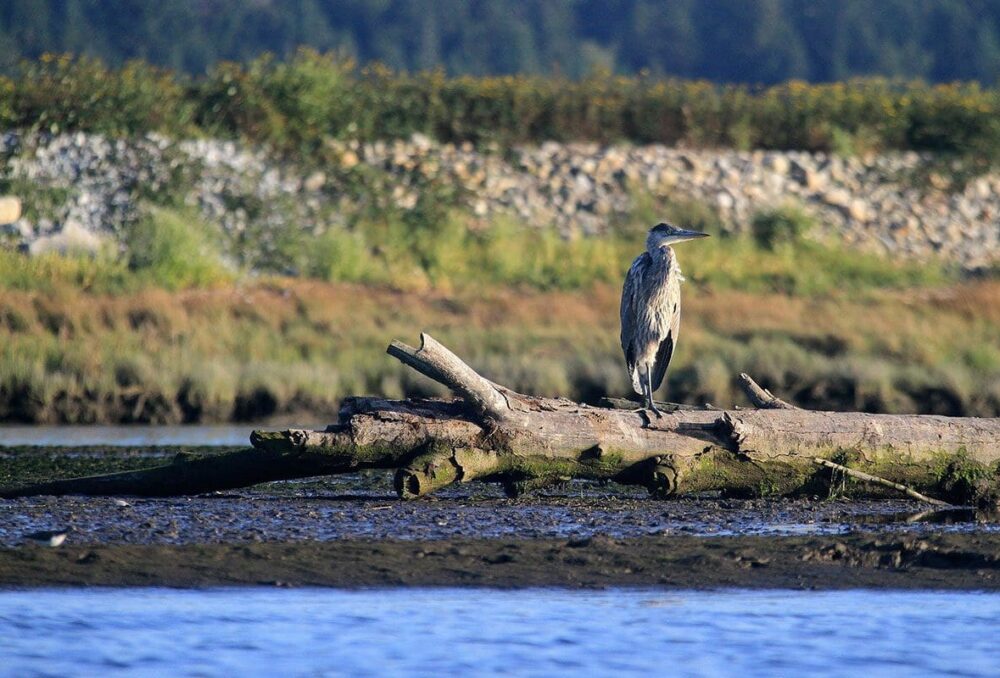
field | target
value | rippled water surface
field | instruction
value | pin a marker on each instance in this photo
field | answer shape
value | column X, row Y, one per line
column 488, row 632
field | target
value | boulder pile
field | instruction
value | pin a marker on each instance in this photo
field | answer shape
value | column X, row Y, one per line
column 81, row 190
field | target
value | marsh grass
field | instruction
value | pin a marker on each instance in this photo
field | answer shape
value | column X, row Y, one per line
column 282, row 347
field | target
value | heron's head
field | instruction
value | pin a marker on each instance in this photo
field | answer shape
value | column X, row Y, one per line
column 664, row 235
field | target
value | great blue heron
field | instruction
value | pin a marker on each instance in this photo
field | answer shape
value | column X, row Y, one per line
column 651, row 310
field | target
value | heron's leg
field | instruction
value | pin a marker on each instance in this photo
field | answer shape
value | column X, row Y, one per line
column 649, row 394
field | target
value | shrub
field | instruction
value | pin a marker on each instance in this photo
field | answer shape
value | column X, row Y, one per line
column 339, row 255
column 174, row 250
column 61, row 92
column 785, row 225
column 297, row 104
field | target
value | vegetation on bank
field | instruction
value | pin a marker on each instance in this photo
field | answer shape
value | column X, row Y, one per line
column 173, row 329
column 181, row 321
column 297, row 104
column 170, row 330
column 445, row 250
column 283, row 347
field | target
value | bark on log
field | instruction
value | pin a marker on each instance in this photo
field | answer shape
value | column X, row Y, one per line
column 492, row 433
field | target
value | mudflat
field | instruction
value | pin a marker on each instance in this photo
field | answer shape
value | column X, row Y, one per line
column 318, row 534
column 953, row 561
column 351, row 531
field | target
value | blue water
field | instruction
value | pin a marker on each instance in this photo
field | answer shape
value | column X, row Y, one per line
column 462, row 632
column 139, row 435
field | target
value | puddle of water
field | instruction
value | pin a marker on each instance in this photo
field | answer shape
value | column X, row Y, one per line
column 490, row 632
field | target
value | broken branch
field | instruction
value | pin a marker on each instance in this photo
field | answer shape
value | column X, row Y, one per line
column 760, row 396
column 868, row 478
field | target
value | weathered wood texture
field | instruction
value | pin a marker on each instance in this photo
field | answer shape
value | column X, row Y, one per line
column 492, row 433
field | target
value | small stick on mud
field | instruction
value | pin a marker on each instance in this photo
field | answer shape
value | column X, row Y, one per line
column 868, row 478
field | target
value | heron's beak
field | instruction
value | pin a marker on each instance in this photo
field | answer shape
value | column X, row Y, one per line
column 686, row 235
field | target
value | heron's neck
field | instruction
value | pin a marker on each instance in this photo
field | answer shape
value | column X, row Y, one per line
column 664, row 255
column 661, row 252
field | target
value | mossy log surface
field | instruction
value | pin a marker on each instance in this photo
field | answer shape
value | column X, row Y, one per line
column 494, row 434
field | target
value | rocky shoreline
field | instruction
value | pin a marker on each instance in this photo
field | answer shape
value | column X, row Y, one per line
column 82, row 190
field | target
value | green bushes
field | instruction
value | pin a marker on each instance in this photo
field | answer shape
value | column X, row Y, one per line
column 60, row 93
column 174, row 250
column 295, row 105
column 784, row 226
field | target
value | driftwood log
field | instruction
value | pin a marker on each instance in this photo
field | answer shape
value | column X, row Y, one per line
column 491, row 433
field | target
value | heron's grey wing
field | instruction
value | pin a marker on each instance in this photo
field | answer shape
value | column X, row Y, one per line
column 663, row 354
column 629, row 313
column 667, row 344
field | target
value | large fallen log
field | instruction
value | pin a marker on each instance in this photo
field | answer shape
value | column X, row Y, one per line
column 491, row 433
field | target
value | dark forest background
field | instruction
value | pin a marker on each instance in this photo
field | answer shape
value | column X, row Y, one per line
column 765, row 41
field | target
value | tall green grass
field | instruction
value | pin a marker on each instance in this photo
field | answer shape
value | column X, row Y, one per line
column 174, row 250
column 165, row 249
column 50, row 271
column 776, row 257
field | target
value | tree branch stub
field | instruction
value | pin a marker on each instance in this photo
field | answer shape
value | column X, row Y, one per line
column 760, row 397
column 435, row 361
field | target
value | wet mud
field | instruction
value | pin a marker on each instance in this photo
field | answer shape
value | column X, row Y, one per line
column 331, row 511
column 850, row 561
column 352, row 531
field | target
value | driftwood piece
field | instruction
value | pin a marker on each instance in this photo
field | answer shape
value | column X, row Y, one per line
column 495, row 434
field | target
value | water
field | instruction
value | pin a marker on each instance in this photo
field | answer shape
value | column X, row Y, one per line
column 490, row 632
column 139, row 435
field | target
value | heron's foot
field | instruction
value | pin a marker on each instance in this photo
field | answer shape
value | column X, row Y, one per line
column 651, row 407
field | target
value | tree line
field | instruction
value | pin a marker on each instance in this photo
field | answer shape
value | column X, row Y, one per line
column 765, row 41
